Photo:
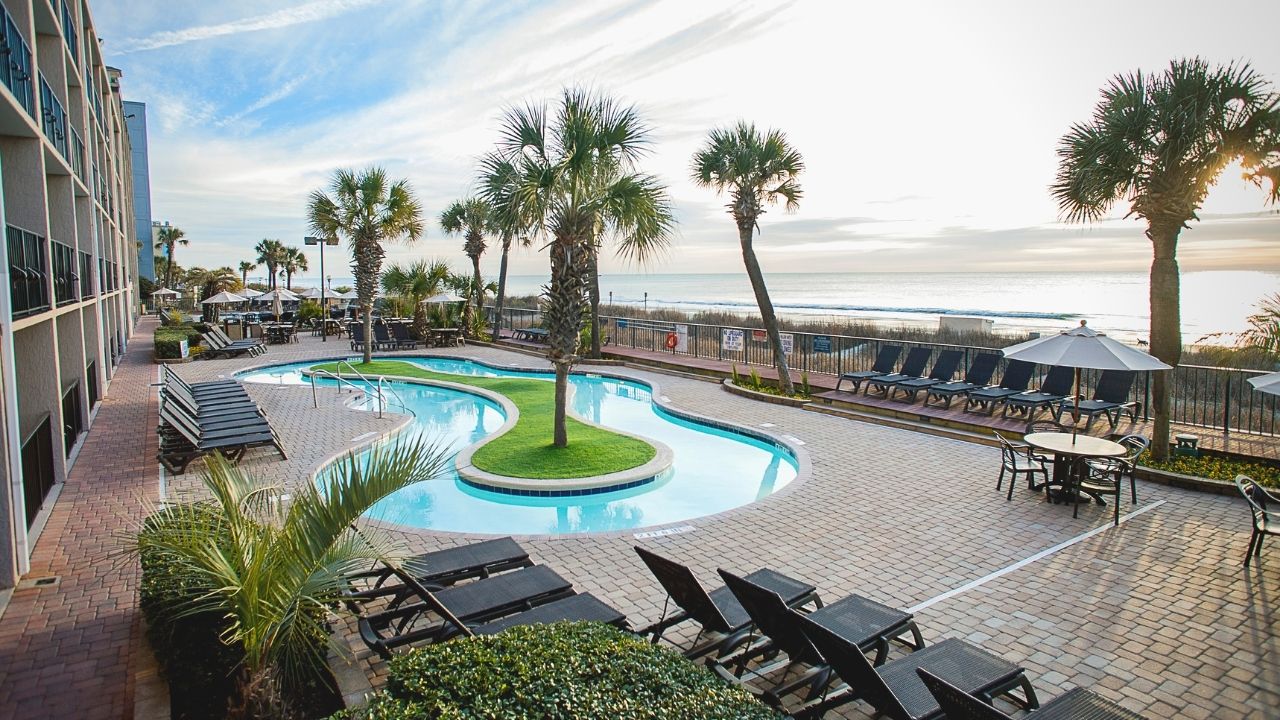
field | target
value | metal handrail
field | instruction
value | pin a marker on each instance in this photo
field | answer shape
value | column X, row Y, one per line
column 380, row 385
column 315, row 400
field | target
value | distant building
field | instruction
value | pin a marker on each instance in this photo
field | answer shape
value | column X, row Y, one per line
column 135, row 123
column 69, row 265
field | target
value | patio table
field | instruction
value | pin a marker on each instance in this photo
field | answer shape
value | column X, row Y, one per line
column 1069, row 450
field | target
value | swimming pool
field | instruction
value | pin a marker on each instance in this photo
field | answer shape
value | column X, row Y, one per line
column 714, row 470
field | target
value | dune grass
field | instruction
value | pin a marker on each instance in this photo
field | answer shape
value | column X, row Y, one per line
column 526, row 451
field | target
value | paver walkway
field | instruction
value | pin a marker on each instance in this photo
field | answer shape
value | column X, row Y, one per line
column 66, row 650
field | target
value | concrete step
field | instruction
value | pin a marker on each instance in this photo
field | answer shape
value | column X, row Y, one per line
column 906, row 424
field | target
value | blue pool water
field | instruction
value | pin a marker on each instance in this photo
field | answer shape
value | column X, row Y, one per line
column 714, row 470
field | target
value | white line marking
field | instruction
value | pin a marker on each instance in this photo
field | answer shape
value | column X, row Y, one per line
column 1027, row 561
column 795, row 440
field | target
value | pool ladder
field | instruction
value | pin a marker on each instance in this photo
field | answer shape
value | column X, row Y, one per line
column 382, row 387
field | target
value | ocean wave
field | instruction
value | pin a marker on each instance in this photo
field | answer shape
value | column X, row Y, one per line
column 863, row 308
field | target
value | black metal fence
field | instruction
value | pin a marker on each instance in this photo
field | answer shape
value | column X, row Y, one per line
column 1210, row 397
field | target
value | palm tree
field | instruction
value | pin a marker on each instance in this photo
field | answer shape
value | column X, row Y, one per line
column 270, row 255
column 498, row 185
column 416, row 282
column 473, row 218
column 245, row 267
column 291, row 261
column 574, row 179
column 274, row 569
column 1159, row 142
column 210, row 283
column 167, row 238
column 368, row 210
column 755, row 170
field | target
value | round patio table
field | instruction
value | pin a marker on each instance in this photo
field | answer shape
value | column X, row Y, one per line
column 1069, row 449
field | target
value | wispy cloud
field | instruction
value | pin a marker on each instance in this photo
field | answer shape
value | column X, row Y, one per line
column 297, row 15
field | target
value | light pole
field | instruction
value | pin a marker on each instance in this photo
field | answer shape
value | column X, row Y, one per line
column 324, row 308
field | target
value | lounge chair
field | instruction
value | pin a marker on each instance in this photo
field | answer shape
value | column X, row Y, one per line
column 207, row 389
column 1110, row 398
column 1075, row 704
column 215, row 347
column 442, row 567
column 182, row 441
column 1016, row 378
column 401, row 337
column 1265, row 509
column 944, row 368
column 895, row 690
column 912, row 367
column 356, row 333
column 863, row 623
column 721, row 617
column 981, row 369
column 885, row 360
column 257, row 347
column 1055, row 388
column 382, row 339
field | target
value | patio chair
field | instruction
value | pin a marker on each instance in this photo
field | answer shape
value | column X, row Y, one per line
column 356, row 332
column 912, row 367
column 944, row 368
column 402, row 339
column 863, row 623
column 1265, row 508
column 1015, row 380
column 1110, row 399
column 1054, row 389
column 981, row 368
column 895, row 690
column 885, row 360
column 441, row 567
column 382, row 337
column 209, row 388
column 1018, row 460
column 214, row 347
column 718, row 613
column 1075, row 704
column 1107, row 474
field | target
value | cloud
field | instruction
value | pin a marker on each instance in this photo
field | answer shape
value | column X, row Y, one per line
column 297, row 15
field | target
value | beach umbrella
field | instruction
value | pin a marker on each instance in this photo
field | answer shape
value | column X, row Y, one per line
column 249, row 293
column 444, row 298
column 165, row 292
column 312, row 294
column 222, row 298
column 1269, row 384
column 276, row 297
column 1083, row 348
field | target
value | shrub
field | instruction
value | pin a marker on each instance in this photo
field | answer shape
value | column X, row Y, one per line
column 804, row 384
column 309, row 310
column 560, row 671
column 167, row 339
column 1216, row 467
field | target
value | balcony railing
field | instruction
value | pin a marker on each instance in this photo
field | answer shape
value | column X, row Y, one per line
column 66, row 283
column 77, row 154
column 86, row 275
column 28, row 278
column 15, row 64
column 69, row 30
column 53, row 117
column 94, row 98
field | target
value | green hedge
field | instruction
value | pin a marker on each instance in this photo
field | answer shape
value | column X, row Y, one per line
column 169, row 337
column 556, row 672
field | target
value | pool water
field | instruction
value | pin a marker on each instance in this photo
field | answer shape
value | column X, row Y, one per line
column 714, row 470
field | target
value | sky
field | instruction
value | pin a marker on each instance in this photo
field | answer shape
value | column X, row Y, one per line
column 928, row 129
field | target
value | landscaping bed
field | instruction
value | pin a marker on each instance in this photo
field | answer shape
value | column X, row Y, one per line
column 168, row 341
column 1214, row 467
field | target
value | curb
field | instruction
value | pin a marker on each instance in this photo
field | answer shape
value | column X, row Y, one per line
column 729, row 386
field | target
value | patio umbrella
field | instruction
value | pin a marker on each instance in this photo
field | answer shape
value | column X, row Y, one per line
column 276, row 297
column 1269, row 384
column 222, row 298
column 249, row 293
column 313, row 294
column 441, row 298
column 165, row 292
column 1083, row 348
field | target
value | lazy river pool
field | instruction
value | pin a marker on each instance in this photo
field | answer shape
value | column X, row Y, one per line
column 714, row 469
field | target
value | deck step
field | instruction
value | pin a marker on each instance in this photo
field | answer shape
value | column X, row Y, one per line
column 905, row 424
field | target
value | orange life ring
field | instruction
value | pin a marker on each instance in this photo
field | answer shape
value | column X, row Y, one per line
column 672, row 339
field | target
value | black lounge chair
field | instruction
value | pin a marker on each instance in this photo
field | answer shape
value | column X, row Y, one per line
column 257, row 347
column 1054, row 389
column 215, row 347
column 356, row 334
column 981, row 369
column 1016, row 378
column 912, row 367
column 1075, row 704
column 863, row 623
column 382, row 337
column 885, row 360
column 895, row 690
column 719, row 613
column 1110, row 398
column 583, row 607
column 944, row 368
column 442, row 567
column 182, row 441
column 403, row 340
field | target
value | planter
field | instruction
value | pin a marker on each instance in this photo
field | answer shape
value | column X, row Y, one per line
column 1186, row 482
column 173, row 361
column 728, row 385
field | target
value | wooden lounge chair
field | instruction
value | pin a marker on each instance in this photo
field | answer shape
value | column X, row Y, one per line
column 912, row 367
column 1054, row 389
column 981, row 369
column 885, row 360
column 894, row 689
column 722, row 619
column 1016, row 378
column 1075, row 704
column 1110, row 398
column 944, row 368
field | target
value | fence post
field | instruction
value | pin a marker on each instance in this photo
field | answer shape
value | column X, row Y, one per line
column 1146, row 396
column 1226, row 408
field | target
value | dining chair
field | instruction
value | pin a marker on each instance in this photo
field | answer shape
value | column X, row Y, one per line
column 1106, row 475
column 1266, row 520
column 1017, row 460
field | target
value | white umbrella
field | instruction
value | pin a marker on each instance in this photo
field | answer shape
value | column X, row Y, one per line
column 277, row 294
column 222, row 298
column 250, row 293
column 165, row 292
column 313, row 294
column 444, row 298
column 1080, row 348
column 1269, row 384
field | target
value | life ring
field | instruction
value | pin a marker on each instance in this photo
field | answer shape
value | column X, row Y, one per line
column 672, row 339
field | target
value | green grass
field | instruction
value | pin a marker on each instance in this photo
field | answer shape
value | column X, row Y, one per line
column 525, row 451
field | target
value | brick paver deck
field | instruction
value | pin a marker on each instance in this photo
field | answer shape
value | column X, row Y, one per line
column 66, row 650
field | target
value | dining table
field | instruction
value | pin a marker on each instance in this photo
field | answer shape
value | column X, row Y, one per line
column 1070, row 451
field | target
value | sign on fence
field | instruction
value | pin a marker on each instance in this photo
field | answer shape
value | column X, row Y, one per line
column 622, row 323
column 682, row 338
column 731, row 340
column 822, row 343
column 788, row 342
column 759, row 335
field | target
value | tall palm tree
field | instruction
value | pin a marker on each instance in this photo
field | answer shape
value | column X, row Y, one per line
column 575, row 178
column 755, row 170
column 1159, row 142
column 498, row 185
column 292, row 260
column 270, row 255
column 416, row 282
column 169, row 237
column 368, row 210
column 472, row 218
column 210, row 283
column 245, row 267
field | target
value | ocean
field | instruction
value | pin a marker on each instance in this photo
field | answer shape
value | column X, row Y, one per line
column 1112, row 302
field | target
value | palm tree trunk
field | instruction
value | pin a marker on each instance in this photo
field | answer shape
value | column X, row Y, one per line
column 766, row 308
column 367, row 310
column 593, row 296
column 168, row 264
column 564, row 301
column 502, row 290
column 1166, row 329
column 561, row 436
column 475, row 264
